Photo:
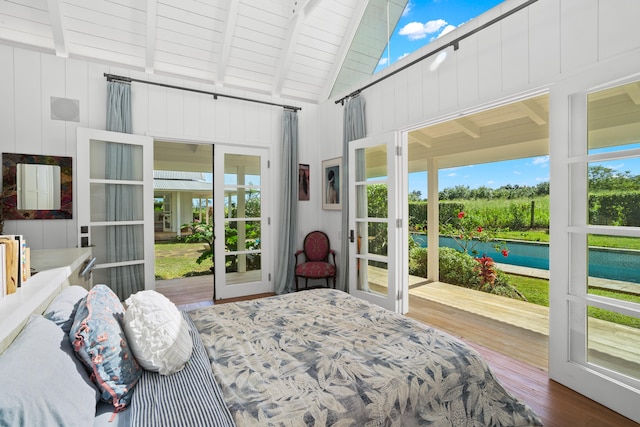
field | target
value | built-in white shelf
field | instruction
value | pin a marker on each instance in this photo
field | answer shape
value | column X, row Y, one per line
column 53, row 269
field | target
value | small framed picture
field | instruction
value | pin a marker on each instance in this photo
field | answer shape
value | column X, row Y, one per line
column 303, row 182
column 331, row 181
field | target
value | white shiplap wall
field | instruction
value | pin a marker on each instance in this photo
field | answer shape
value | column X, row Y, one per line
column 528, row 51
column 28, row 79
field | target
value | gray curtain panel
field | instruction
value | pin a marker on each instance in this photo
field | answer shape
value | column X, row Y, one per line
column 284, row 275
column 119, row 107
column 123, row 242
column 354, row 128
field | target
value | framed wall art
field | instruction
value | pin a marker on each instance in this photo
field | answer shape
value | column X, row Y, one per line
column 303, row 182
column 331, row 181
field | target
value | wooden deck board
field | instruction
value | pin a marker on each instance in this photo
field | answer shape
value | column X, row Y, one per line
column 514, row 312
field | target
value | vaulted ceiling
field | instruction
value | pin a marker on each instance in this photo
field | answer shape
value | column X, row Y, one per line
column 291, row 49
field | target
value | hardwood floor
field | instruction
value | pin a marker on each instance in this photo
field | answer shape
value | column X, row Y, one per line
column 502, row 346
column 523, row 373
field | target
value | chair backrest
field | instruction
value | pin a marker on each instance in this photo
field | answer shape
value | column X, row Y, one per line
column 316, row 246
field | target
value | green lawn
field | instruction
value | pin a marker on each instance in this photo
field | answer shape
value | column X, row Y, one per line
column 537, row 292
column 175, row 260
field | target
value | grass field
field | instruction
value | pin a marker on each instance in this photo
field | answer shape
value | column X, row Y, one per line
column 175, row 260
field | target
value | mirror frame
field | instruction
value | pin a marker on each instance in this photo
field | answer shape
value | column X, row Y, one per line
column 9, row 187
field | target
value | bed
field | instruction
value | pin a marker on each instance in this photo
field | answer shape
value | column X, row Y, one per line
column 314, row 358
column 323, row 357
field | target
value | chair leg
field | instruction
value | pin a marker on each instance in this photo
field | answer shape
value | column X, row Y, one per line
column 296, row 283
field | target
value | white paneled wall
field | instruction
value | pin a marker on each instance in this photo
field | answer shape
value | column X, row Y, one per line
column 28, row 80
column 529, row 50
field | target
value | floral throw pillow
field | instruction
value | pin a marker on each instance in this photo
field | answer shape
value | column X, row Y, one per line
column 99, row 341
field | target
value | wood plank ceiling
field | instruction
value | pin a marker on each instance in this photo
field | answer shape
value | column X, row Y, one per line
column 291, row 49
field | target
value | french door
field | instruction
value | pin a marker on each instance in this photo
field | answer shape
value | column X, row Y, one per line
column 115, row 212
column 594, row 318
column 378, row 260
column 242, row 262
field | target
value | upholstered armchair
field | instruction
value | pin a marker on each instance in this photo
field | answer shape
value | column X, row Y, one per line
column 316, row 259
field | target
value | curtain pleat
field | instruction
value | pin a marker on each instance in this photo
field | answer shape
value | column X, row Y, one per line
column 119, row 107
column 284, row 275
column 354, row 128
column 123, row 242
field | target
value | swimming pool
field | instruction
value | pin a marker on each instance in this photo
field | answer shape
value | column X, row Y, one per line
column 613, row 264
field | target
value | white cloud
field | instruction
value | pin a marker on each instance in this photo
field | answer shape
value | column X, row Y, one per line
column 446, row 30
column 407, row 8
column 616, row 167
column 540, row 160
column 418, row 30
column 403, row 55
column 452, row 174
column 517, row 173
column 490, row 182
column 383, row 61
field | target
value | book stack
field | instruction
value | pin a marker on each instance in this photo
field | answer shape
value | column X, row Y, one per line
column 14, row 263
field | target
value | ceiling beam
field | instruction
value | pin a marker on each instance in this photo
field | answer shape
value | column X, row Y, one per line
column 227, row 37
column 290, row 41
column 633, row 90
column 534, row 111
column 152, row 29
column 468, row 127
column 57, row 29
column 347, row 40
column 422, row 139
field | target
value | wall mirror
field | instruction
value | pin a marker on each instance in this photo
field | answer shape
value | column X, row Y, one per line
column 36, row 187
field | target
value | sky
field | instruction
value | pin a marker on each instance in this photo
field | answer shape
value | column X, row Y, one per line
column 425, row 20
column 529, row 172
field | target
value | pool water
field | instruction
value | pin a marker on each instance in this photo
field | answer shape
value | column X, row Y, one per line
column 613, row 264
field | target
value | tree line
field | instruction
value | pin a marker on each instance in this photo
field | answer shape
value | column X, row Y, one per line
column 601, row 179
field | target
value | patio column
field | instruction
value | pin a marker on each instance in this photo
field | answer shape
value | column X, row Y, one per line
column 241, row 213
column 433, row 221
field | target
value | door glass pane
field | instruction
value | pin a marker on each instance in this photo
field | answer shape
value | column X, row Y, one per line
column 125, row 158
column 242, row 235
column 612, row 341
column 378, row 238
column 378, row 201
column 372, row 276
column 124, row 280
column 241, row 169
column 126, row 243
column 243, row 203
column 123, row 195
column 614, row 263
column 243, row 268
column 614, row 192
column 613, row 118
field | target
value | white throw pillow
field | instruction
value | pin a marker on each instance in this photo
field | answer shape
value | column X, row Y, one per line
column 156, row 332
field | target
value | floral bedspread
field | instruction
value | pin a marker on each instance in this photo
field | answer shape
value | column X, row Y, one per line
column 325, row 358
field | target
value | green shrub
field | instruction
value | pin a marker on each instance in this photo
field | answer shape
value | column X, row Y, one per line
column 459, row 268
column 417, row 261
